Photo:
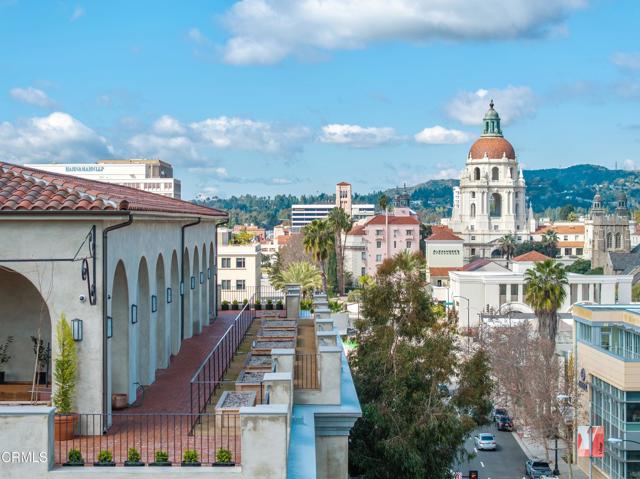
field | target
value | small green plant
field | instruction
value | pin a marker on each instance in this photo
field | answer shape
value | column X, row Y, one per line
column 133, row 455
column 234, row 304
column 258, row 304
column 245, row 301
column 225, row 305
column 5, row 357
column 105, row 457
column 65, row 368
column 42, row 352
column 223, row 455
column 306, row 304
column 279, row 304
column 75, row 456
column 190, row 456
column 162, row 456
column 335, row 306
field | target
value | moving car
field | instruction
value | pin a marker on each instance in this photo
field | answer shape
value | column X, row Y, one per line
column 536, row 469
column 497, row 412
column 485, row 441
column 504, row 423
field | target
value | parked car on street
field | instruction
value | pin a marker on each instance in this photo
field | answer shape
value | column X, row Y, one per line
column 485, row 441
column 504, row 423
column 497, row 412
column 537, row 469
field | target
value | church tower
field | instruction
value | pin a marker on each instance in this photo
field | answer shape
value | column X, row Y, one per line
column 490, row 201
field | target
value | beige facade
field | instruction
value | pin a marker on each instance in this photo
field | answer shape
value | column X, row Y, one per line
column 239, row 271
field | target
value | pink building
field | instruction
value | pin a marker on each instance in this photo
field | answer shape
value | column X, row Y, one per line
column 385, row 238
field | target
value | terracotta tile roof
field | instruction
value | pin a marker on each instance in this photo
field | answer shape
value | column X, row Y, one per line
column 344, row 183
column 28, row 189
column 357, row 230
column 531, row 256
column 570, row 244
column 493, row 146
column 393, row 220
column 284, row 239
column 477, row 264
column 577, row 229
column 443, row 235
column 437, row 271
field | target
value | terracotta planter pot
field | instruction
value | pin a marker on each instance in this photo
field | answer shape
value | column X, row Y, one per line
column 118, row 401
column 65, row 426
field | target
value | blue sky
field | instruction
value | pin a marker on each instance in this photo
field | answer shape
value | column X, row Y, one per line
column 292, row 96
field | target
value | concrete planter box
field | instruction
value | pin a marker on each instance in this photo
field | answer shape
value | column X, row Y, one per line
column 271, row 334
column 265, row 347
column 261, row 363
column 285, row 324
column 229, row 404
column 251, row 381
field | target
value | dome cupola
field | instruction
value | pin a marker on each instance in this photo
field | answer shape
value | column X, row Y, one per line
column 491, row 143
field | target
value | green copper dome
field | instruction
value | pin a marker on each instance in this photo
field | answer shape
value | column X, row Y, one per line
column 491, row 122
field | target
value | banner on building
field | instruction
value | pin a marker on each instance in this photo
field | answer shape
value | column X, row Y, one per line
column 596, row 442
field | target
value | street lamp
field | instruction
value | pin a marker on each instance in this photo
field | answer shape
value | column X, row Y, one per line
column 561, row 398
column 618, row 441
column 468, row 323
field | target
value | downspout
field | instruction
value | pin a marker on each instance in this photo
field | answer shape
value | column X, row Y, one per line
column 183, row 287
column 105, row 279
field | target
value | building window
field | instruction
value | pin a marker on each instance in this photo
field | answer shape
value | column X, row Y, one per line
column 378, row 258
column 473, row 210
column 495, row 205
column 395, row 233
column 363, row 255
column 394, row 245
column 473, row 194
column 476, row 173
column 514, row 292
column 473, row 238
column 363, row 271
column 226, row 284
column 226, row 262
column 503, row 294
column 240, row 284
column 379, row 232
column 378, row 244
column 495, row 175
column 408, row 244
column 566, row 237
column 439, row 282
column 240, row 263
column 567, row 251
column 608, row 240
column 472, row 227
column 579, row 251
column 473, row 251
column 495, row 227
column 618, row 240
column 409, row 232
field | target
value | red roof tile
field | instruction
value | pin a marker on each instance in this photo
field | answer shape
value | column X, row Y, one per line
column 443, row 235
column 28, row 189
column 343, row 183
column 393, row 220
column 357, row 230
column 531, row 256
column 477, row 264
column 493, row 147
column 441, row 271
column 577, row 229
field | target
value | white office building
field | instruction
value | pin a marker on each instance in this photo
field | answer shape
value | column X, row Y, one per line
column 155, row 176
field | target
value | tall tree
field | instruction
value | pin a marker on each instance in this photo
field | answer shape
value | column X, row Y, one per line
column 303, row 273
column 475, row 386
column 384, row 202
column 318, row 240
column 507, row 245
column 545, row 293
column 341, row 223
column 406, row 348
column 550, row 243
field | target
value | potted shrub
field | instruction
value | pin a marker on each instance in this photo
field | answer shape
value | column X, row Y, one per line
column 245, row 301
column 225, row 305
column 190, row 458
column 279, row 305
column 258, row 304
column 161, row 459
column 269, row 304
column 43, row 355
column 234, row 305
column 105, row 459
column 133, row 458
column 64, row 374
column 5, row 357
column 74, row 458
column 223, row 458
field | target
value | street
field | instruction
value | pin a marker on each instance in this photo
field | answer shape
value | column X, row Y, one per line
column 507, row 462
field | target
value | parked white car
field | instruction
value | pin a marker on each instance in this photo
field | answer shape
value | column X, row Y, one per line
column 485, row 441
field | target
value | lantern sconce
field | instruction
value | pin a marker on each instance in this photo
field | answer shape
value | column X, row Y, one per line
column 154, row 303
column 109, row 327
column 193, row 282
column 169, row 295
column 134, row 313
column 76, row 327
column 209, row 273
column 201, row 277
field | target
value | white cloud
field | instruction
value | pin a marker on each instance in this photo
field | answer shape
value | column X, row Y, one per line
column 77, row 14
column 56, row 137
column 512, row 103
column 177, row 148
column 629, row 164
column 627, row 61
column 196, row 36
column 438, row 135
column 358, row 136
column 167, row 125
column 32, row 96
column 267, row 31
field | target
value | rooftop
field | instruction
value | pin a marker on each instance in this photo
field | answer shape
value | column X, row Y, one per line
column 25, row 189
column 575, row 229
column 531, row 256
column 393, row 220
column 443, row 235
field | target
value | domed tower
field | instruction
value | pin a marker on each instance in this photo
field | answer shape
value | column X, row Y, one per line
column 490, row 201
column 621, row 204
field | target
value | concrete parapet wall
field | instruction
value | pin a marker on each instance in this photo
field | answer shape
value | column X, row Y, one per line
column 329, row 365
column 264, row 441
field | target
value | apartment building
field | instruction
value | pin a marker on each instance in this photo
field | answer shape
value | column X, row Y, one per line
column 239, row 271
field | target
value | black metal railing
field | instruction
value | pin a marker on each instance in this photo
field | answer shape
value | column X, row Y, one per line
column 212, row 369
column 258, row 296
column 305, row 371
column 168, row 433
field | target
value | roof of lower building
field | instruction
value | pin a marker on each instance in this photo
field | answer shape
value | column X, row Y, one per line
column 444, row 235
column 27, row 189
column 357, row 230
column 626, row 263
column 576, row 229
column 393, row 220
column 531, row 256
column 477, row 264
column 442, row 271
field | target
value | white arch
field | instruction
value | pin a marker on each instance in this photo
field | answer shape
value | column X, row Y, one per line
column 161, row 329
column 143, row 325
column 121, row 359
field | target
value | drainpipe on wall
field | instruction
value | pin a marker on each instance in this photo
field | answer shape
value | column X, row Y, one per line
column 183, row 287
column 105, row 279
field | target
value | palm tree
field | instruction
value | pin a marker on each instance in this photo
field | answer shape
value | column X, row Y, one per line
column 384, row 203
column 318, row 241
column 341, row 223
column 550, row 242
column 507, row 245
column 300, row 272
column 545, row 293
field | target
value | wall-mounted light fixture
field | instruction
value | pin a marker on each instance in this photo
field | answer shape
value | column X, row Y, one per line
column 169, row 295
column 193, row 282
column 181, row 287
column 109, row 327
column 154, row 303
column 201, row 277
column 76, row 327
column 134, row 313
column 209, row 273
